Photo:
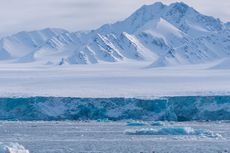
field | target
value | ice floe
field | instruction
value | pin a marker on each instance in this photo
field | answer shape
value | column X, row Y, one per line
column 12, row 148
column 135, row 123
column 158, row 123
column 179, row 131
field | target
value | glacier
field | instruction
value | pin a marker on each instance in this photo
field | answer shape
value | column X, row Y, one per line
column 187, row 108
column 165, row 35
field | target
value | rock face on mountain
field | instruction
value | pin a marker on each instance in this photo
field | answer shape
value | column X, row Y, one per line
column 167, row 35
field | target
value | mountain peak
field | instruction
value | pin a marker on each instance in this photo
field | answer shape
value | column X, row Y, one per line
column 149, row 10
column 154, row 5
column 180, row 5
column 169, row 34
column 158, row 6
column 178, row 9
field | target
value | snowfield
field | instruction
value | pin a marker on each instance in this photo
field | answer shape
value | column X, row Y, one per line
column 123, row 79
column 110, row 137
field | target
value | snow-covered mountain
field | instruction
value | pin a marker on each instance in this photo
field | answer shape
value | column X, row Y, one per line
column 164, row 34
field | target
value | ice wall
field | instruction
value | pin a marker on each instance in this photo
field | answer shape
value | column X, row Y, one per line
column 166, row 108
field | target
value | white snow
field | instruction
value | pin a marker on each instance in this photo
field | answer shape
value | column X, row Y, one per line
column 121, row 59
column 123, row 79
column 164, row 34
column 223, row 64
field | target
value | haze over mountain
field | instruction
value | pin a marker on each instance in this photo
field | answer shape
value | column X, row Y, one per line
column 166, row 35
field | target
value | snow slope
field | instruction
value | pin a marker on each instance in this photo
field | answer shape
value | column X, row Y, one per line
column 167, row 35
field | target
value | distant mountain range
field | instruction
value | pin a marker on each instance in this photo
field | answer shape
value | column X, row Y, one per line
column 166, row 35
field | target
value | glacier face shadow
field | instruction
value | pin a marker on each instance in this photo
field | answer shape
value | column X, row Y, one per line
column 187, row 108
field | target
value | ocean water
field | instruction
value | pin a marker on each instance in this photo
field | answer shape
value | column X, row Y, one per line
column 192, row 124
column 110, row 137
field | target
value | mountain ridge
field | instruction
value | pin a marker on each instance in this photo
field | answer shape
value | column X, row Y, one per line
column 167, row 35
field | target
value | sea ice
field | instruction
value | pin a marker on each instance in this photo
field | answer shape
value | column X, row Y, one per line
column 12, row 148
column 174, row 131
column 136, row 123
column 158, row 123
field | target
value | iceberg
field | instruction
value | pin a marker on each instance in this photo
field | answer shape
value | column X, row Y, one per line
column 180, row 131
column 12, row 148
column 135, row 123
column 158, row 123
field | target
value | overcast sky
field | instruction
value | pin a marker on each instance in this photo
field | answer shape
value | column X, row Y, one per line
column 74, row 15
